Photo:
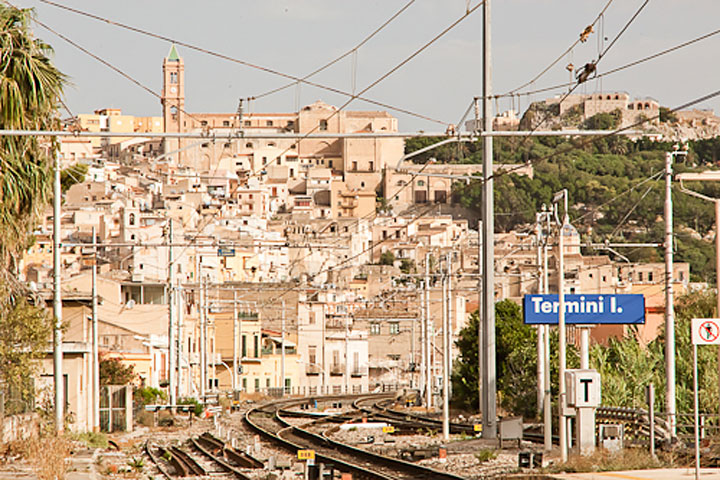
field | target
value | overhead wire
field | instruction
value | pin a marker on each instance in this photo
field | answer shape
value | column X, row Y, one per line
column 553, row 63
column 353, row 97
column 238, row 61
column 339, row 58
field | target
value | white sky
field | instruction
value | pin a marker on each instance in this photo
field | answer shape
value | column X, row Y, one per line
column 299, row 35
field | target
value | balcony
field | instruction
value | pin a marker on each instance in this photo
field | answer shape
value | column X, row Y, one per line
column 359, row 372
column 312, row 370
column 337, row 369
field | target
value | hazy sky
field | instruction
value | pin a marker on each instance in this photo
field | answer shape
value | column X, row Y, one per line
column 297, row 36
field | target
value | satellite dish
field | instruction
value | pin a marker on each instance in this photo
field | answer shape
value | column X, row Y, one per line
column 130, row 304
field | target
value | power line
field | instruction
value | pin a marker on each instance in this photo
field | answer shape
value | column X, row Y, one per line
column 356, row 96
column 238, row 61
column 618, row 69
column 337, row 59
column 552, row 64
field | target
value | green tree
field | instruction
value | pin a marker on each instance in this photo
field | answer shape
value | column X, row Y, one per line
column 114, row 372
column 604, row 121
column 387, row 258
column 30, row 87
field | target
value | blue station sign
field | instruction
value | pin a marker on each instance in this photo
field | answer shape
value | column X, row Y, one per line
column 585, row 309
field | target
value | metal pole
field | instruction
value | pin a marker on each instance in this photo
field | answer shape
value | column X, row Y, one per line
column 449, row 333
column 446, row 349
column 282, row 350
column 697, row 421
column 203, row 382
column 540, row 330
column 717, row 270
column 651, row 414
column 561, row 328
column 180, row 308
column 547, row 405
column 423, row 377
column 95, row 358
column 428, row 333
column 58, row 378
column 481, row 329
column 669, row 307
column 171, row 318
column 235, row 343
column 584, row 347
column 413, row 372
column 489, row 374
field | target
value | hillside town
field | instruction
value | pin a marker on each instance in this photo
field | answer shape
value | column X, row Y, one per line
column 239, row 247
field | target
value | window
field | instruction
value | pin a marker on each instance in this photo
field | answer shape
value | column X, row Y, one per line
column 247, row 123
column 173, row 77
column 249, row 145
column 640, row 276
column 374, row 329
column 256, row 345
column 323, row 125
column 421, row 183
column 312, row 354
column 226, row 123
column 244, row 384
column 394, row 328
column 257, row 384
column 394, row 356
column 269, row 123
column 650, row 276
column 244, row 346
column 203, row 124
column 267, row 383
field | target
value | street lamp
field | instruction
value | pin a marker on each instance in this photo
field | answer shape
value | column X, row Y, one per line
column 708, row 176
column 562, row 194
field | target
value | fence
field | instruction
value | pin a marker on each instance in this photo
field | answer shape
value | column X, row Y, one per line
column 116, row 412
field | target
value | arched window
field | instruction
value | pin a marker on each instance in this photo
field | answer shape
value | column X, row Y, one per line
column 131, row 219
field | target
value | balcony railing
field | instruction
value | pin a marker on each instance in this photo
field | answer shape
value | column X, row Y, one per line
column 337, row 369
column 312, row 370
column 359, row 372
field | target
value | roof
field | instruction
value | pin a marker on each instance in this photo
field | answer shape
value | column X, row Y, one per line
column 173, row 55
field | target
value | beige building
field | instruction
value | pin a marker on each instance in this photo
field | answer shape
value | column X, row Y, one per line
column 633, row 110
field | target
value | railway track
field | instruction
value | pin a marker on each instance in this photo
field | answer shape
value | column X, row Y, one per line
column 176, row 462
column 268, row 421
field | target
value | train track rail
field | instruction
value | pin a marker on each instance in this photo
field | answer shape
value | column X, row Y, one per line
column 268, row 421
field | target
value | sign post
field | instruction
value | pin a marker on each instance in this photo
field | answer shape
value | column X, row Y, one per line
column 584, row 385
column 705, row 331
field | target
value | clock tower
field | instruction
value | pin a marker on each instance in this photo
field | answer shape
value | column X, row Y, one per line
column 173, row 99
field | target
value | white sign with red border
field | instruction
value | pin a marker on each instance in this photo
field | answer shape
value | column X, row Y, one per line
column 706, row 331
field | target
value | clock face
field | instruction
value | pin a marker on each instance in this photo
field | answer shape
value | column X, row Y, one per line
column 173, row 90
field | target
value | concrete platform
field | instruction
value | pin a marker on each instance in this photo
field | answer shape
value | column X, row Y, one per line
column 658, row 474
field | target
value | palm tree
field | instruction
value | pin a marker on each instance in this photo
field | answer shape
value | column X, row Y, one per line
column 30, row 88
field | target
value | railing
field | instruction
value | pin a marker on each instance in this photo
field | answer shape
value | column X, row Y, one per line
column 337, row 369
column 312, row 370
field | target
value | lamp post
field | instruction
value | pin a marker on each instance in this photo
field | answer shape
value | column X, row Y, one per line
column 670, row 403
column 711, row 176
column 562, row 194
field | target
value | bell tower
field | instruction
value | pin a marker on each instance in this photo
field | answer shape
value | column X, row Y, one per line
column 173, row 99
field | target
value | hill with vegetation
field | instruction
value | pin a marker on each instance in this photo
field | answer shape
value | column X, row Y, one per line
column 615, row 185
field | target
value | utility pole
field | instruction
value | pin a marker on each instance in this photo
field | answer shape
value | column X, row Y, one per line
column 203, row 381
column 547, row 406
column 481, row 310
column 236, row 334
column 540, row 330
column 669, row 306
column 562, row 397
column 282, row 350
column 489, row 373
column 445, row 372
column 448, row 358
column 180, row 309
column 423, row 358
column 171, row 317
column 95, row 358
column 58, row 378
column 428, row 333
